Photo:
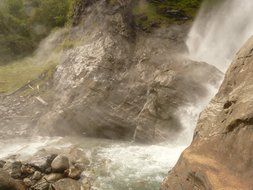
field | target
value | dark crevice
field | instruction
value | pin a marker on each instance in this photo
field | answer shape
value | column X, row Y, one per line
column 238, row 122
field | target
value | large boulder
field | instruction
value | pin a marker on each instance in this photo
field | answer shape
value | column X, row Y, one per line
column 60, row 164
column 121, row 83
column 8, row 183
column 221, row 154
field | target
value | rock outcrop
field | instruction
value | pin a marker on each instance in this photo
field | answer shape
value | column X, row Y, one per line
column 221, row 154
column 113, row 80
column 120, row 83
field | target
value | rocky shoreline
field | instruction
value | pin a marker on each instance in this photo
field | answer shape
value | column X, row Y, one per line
column 48, row 172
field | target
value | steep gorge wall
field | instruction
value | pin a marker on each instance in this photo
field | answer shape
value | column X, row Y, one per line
column 221, row 154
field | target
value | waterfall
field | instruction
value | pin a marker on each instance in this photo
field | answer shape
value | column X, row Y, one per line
column 220, row 30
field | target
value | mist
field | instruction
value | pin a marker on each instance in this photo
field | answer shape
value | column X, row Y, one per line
column 219, row 31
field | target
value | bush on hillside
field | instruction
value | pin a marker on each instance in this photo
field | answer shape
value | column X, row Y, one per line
column 23, row 23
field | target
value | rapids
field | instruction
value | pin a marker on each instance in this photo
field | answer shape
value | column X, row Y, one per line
column 117, row 164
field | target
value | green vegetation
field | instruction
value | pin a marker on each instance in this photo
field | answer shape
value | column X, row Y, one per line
column 23, row 23
column 15, row 75
column 150, row 13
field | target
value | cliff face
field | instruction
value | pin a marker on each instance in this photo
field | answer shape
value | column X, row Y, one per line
column 116, row 81
column 221, row 154
column 122, row 83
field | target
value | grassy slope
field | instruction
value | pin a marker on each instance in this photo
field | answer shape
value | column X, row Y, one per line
column 14, row 76
column 153, row 12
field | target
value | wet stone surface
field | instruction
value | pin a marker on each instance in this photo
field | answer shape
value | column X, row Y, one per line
column 42, row 173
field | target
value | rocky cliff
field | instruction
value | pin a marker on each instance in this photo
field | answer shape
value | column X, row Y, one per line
column 220, row 156
column 121, row 83
column 116, row 81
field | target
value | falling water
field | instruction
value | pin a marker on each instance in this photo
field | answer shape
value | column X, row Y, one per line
column 219, row 31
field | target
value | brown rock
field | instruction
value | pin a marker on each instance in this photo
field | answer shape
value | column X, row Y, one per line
column 28, row 182
column 74, row 173
column 42, row 184
column 16, row 170
column 221, row 154
column 53, row 177
column 7, row 183
column 27, row 169
column 2, row 163
column 60, row 164
column 37, row 175
column 67, row 184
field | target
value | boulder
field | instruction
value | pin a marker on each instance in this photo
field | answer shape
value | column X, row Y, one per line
column 37, row 175
column 67, row 184
column 121, row 84
column 42, row 184
column 74, row 173
column 221, row 154
column 53, row 177
column 60, row 164
column 8, row 183
column 28, row 182
column 42, row 163
column 16, row 172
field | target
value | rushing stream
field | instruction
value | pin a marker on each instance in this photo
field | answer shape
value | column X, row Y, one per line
column 119, row 165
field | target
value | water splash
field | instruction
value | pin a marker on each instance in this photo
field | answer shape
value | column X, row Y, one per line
column 219, row 31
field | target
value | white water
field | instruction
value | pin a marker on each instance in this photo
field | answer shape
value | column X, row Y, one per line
column 219, row 32
column 128, row 166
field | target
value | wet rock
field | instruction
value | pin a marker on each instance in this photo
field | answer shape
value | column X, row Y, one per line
column 27, row 169
column 16, row 172
column 53, row 177
column 60, row 164
column 67, row 184
column 48, row 170
column 2, row 163
column 42, row 163
column 43, row 184
column 7, row 167
column 7, row 183
column 79, row 158
column 50, row 158
column 37, row 175
column 74, row 173
column 86, row 183
column 28, row 182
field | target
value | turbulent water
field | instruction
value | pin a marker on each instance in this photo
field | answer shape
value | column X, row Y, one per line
column 219, row 31
column 120, row 165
